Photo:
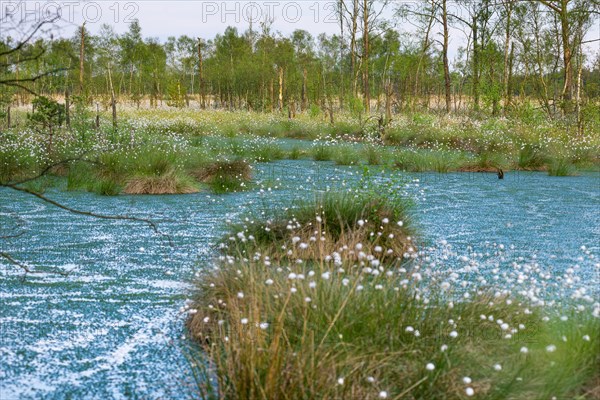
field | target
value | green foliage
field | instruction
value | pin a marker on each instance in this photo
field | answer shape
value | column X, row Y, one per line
column 228, row 184
column 424, row 160
column 373, row 154
column 81, row 176
column 561, row 167
column 107, row 187
column 176, row 95
column 17, row 161
column 225, row 176
column 322, row 152
column 314, row 111
column 531, row 157
column 47, row 112
column 346, row 155
column 295, row 153
column 82, row 119
column 341, row 213
column 356, row 108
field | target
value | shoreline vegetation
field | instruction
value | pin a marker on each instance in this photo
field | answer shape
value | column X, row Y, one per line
column 335, row 298
column 185, row 151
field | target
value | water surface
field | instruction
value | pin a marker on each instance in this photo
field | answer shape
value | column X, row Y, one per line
column 113, row 327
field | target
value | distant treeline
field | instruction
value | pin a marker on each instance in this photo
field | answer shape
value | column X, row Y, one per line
column 516, row 51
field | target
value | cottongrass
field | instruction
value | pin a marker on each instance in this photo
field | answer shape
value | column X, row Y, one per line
column 383, row 320
column 428, row 142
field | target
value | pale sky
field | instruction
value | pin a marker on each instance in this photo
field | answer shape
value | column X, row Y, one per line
column 202, row 18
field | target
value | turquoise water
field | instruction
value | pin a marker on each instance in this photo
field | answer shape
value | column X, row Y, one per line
column 113, row 328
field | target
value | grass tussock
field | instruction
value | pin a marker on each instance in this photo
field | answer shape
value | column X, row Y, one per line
column 561, row 167
column 310, row 304
column 486, row 162
column 225, row 176
column 330, row 221
column 153, row 142
column 237, row 168
column 169, row 182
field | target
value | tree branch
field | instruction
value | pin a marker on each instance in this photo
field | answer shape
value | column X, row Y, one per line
column 26, row 40
column 40, row 196
column 15, row 262
column 551, row 5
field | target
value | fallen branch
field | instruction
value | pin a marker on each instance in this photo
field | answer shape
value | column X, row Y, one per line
column 40, row 196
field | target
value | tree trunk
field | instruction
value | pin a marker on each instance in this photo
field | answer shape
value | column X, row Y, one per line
column 475, row 65
column 507, row 45
column 97, row 116
column 341, row 6
column 272, row 95
column 67, row 111
column 113, row 101
column 303, row 104
column 81, row 57
column 578, row 91
column 366, row 90
column 445, row 57
column 280, row 89
column 388, row 101
column 510, row 75
column 353, row 47
column 495, row 98
column 200, row 76
column 562, row 10
column 423, row 52
column 567, row 56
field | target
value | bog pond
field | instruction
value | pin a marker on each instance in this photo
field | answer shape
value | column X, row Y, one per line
column 113, row 327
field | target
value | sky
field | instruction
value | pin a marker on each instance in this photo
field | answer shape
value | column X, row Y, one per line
column 204, row 18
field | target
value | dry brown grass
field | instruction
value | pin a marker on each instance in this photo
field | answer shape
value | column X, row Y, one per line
column 168, row 183
column 238, row 168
